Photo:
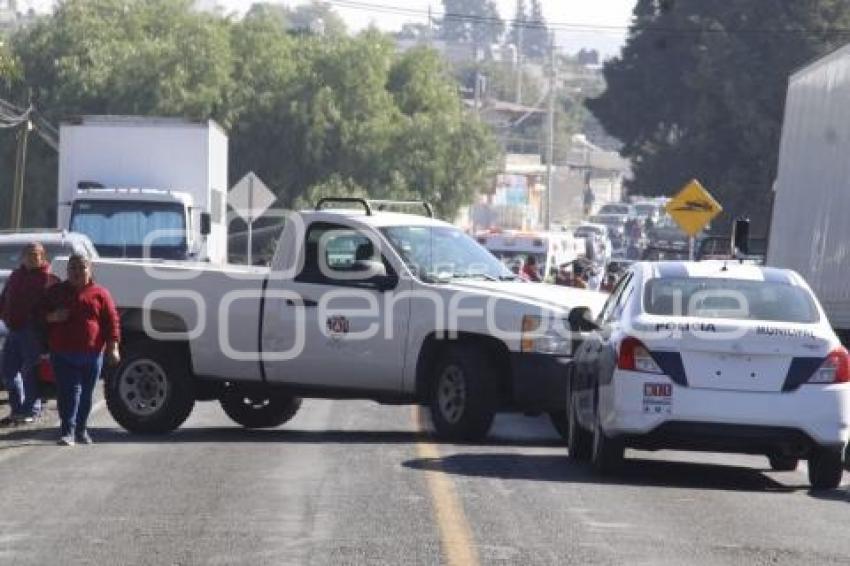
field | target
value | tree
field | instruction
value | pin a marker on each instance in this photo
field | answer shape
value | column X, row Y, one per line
column 699, row 89
column 535, row 43
column 517, row 33
column 471, row 21
column 309, row 16
column 115, row 57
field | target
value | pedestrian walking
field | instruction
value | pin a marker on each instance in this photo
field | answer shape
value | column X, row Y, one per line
column 82, row 327
column 22, row 350
column 529, row 270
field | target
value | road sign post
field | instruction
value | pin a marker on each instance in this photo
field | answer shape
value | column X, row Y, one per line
column 692, row 209
column 250, row 198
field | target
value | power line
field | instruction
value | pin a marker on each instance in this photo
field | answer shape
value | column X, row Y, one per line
column 577, row 27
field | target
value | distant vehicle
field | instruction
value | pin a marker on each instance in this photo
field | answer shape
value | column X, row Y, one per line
column 672, row 253
column 145, row 187
column 644, row 210
column 666, row 234
column 616, row 224
column 809, row 231
column 617, row 208
column 719, row 247
column 550, row 249
column 712, row 356
column 597, row 236
column 56, row 243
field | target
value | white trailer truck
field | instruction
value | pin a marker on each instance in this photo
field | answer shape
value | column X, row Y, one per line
column 809, row 232
column 145, row 187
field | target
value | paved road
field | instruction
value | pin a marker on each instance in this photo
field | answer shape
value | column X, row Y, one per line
column 356, row 483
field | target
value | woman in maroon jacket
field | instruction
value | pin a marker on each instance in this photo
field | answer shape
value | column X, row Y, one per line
column 82, row 324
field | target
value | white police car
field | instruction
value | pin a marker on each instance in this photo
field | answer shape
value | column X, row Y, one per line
column 714, row 356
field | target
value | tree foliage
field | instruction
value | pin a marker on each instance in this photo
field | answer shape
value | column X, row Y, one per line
column 307, row 113
column 699, row 91
column 471, row 21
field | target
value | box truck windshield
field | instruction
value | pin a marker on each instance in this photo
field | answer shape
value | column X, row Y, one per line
column 132, row 228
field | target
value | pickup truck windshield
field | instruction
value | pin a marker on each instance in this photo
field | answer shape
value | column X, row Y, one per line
column 438, row 253
column 120, row 228
column 729, row 298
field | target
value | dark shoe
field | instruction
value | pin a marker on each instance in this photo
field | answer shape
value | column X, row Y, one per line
column 24, row 419
column 84, row 438
column 7, row 421
column 66, row 440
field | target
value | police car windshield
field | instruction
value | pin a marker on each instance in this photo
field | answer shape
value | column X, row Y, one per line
column 729, row 298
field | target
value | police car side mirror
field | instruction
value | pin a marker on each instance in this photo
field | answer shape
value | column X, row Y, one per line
column 206, row 224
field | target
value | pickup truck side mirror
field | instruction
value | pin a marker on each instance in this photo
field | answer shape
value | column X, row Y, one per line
column 581, row 321
column 373, row 267
column 206, row 224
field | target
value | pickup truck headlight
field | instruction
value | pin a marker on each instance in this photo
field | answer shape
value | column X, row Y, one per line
column 546, row 336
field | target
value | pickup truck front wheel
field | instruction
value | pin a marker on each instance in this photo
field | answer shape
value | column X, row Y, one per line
column 150, row 391
column 464, row 394
column 259, row 411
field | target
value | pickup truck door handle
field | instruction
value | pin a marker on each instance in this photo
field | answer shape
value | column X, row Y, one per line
column 303, row 302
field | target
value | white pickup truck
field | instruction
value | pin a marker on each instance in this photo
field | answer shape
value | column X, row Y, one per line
column 357, row 304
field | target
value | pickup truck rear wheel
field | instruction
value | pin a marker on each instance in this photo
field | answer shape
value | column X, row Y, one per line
column 259, row 410
column 150, row 391
column 464, row 394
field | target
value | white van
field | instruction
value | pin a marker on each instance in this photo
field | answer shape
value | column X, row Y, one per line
column 550, row 249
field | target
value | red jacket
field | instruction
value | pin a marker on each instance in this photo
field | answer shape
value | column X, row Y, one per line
column 92, row 319
column 22, row 294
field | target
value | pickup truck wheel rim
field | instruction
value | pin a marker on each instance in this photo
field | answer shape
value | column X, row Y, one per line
column 451, row 394
column 143, row 387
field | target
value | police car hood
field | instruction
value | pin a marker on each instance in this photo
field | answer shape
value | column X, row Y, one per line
column 537, row 294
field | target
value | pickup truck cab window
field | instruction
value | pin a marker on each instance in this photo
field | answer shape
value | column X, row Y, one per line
column 334, row 254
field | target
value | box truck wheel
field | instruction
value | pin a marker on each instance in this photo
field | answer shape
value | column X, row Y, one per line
column 150, row 391
column 252, row 410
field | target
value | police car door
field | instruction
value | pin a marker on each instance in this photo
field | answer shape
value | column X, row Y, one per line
column 594, row 358
column 333, row 315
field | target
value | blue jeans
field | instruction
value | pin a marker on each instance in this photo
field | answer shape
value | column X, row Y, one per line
column 20, row 360
column 76, row 377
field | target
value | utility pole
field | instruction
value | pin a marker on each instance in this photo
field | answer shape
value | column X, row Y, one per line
column 550, row 150
column 519, row 32
column 17, row 204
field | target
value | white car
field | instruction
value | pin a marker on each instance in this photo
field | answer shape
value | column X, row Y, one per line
column 717, row 356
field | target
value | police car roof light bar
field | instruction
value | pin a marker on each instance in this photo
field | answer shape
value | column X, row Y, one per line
column 382, row 204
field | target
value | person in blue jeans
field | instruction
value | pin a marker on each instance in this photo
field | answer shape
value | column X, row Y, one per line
column 19, row 301
column 82, row 328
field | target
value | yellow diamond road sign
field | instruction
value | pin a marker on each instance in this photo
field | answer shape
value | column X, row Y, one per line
column 693, row 208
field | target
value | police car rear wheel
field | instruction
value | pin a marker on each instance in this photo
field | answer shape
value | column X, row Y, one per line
column 607, row 453
column 580, row 442
column 464, row 394
column 259, row 410
column 826, row 467
column 783, row 463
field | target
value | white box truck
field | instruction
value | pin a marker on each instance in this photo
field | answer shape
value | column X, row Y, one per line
column 145, row 187
column 809, row 230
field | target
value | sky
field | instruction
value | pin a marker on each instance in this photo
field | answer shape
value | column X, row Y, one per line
column 582, row 13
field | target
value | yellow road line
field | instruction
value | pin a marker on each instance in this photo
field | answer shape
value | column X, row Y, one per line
column 455, row 535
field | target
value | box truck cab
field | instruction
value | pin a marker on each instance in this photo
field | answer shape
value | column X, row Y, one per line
column 145, row 187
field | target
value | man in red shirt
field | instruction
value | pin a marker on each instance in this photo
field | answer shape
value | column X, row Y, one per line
column 18, row 304
column 82, row 325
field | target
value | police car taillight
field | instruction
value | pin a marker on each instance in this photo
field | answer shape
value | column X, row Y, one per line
column 834, row 369
column 634, row 356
